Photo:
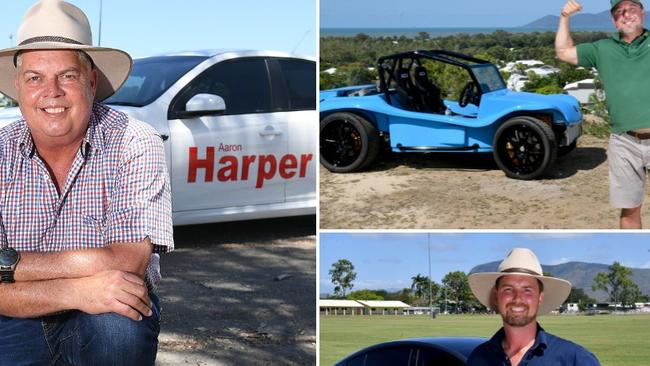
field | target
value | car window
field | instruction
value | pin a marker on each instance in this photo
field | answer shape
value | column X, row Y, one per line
column 435, row 357
column 488, row 77
column 393, row 356
column 300, row 80
column 242, row 83
column 152, row 76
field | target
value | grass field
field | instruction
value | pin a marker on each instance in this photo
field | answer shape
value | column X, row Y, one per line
column 615, row 340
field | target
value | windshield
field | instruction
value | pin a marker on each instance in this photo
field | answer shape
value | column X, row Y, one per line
column 488, row 77
column 150, row 77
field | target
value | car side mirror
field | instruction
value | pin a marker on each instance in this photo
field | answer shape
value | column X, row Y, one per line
column 203, row 105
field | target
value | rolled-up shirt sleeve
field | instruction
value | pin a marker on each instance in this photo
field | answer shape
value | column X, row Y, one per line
column 140, row 203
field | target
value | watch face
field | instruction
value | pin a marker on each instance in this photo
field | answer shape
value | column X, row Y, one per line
column 8, row 257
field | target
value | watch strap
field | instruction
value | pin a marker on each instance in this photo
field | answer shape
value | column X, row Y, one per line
column 7, row 276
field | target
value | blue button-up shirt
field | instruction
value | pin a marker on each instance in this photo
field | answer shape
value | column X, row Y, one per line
column 547, row 350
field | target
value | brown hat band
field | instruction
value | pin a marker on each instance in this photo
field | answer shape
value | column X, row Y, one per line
column 48, row 39
column 521, row 270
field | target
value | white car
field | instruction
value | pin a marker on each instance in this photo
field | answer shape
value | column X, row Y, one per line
column 240, row 130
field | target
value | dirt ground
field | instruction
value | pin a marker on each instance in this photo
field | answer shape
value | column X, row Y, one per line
column 240, row 294
column 454, row 191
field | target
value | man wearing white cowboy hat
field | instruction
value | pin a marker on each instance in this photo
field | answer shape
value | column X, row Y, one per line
column 84, row 203
column 519, row 292
column 623, row 63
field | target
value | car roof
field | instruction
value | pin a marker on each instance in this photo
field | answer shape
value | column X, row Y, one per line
column 462, row 345
column 236, row 52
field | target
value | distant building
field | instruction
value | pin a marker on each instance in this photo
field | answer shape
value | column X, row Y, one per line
column 570, row 307
column 331, row 71
column 543, row 70
column 340, row 307
column 582, row 90
column 512, row 66
column 517, row 82
column 380, row 307
column 361, row 307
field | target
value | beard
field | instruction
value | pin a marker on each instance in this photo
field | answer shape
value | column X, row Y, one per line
column 630, row 29
column 518, row 319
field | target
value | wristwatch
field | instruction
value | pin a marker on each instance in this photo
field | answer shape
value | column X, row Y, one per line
column 9, row 258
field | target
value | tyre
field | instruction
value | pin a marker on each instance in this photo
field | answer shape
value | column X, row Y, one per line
column 524, row 147
column 348, row 142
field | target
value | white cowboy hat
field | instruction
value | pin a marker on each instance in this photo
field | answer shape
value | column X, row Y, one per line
column 56, row 24
column 523, row 262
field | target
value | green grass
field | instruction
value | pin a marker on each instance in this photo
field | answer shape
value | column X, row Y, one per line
column 615, row 340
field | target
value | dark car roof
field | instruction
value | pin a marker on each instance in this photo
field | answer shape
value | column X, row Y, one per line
column 462, row 345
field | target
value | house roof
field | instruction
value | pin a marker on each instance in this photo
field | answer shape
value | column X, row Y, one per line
column 384, row 304
column 339, row 304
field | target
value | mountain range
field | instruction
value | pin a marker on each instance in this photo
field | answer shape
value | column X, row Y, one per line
column 602, row 20
column 581, row 275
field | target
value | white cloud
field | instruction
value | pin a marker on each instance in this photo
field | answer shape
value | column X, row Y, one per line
column 646, row 265
column 559, row 261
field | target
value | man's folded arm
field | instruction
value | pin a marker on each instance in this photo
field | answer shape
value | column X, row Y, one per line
column 107, row 291
column 126, row 257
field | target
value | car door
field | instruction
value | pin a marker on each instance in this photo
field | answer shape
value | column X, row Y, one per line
column 294, row 93
column 229, row 158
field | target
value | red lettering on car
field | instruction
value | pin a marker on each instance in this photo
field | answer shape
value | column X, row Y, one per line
column 195, row 164
column 228, row 166
column 262, row 172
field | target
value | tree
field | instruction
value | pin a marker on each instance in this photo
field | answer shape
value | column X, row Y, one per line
column 618, row 284
column 419, row 285
column 457, row 288
column 342, row 274
column 578, row 295
column 364, row 295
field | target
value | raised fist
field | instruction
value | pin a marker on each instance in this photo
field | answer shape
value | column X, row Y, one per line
column 570, row 8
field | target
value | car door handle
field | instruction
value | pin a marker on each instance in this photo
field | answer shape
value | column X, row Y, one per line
column 270, row 131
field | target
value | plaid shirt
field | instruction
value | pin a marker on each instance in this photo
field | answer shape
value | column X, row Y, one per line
column 117, row 190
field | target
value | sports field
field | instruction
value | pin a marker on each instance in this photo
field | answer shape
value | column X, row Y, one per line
column 615, row 340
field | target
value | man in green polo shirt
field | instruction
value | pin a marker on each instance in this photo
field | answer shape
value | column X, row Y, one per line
column 623, row 63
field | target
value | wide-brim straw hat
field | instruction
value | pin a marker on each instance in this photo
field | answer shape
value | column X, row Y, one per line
column 523, row 262
column 54, row 25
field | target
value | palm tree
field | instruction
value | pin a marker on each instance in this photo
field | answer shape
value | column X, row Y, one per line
column 420, row 286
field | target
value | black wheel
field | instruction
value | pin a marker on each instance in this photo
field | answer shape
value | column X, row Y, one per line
column 564, row 150
column 524, row 147
column 348, row 142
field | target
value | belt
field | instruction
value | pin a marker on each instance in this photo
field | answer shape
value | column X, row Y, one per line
column 640, row 136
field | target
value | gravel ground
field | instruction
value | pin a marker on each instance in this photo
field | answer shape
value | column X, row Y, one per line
column 240, row 294
column 459, row 191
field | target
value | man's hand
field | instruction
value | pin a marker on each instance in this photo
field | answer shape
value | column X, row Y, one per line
column 570, row 8
column 113, row 291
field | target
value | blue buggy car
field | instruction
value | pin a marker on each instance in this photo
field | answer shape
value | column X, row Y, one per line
column 411, row 111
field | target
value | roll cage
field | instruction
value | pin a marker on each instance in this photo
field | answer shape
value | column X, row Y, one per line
column 399, row 69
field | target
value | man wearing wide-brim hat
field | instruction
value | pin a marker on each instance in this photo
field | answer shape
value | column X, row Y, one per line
column 85, row 203
column 623, row 64
column 520, row 292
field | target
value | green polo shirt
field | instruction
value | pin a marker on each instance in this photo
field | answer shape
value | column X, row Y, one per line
column 625, row 71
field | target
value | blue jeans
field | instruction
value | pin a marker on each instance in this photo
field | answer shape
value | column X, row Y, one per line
column 77, row 338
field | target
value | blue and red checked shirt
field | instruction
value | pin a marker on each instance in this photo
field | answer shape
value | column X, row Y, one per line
column 117, row 190
column 547, row 350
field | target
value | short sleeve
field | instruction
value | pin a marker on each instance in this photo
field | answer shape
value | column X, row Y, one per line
column 585, row 358
column 587, row 54
column 141, row 199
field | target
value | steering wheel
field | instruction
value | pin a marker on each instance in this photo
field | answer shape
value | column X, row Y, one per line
column 468, row 95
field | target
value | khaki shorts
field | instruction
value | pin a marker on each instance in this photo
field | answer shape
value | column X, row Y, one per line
column 629, row 160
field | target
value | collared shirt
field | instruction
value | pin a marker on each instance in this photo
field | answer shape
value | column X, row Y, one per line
column 117, row 190
column 625, row 71
column 547, row 350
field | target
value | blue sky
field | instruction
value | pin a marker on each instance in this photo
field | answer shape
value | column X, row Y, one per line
column 389, row 260
column 146, row 27
column 433, row 14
